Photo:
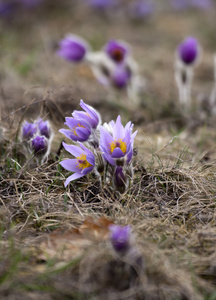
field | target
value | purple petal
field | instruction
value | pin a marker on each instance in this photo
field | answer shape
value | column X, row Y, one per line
column 87, row 170
column 83, row 133
column 73, row 177
column 117, row 153
column 69, row 134
column 70, row 165
column 74, row 150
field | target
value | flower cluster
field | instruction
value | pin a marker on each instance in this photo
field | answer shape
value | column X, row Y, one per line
column 108, row 149
column 36, row 138
column 113, row 65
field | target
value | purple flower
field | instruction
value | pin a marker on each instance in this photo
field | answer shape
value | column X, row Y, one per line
column 180, row 5
column 79, row 129
column 116, row 50
column 202, row 4
column 119, row 144
column 140, row 9
column 101, row 4
column 44, row 128
column 6, row 8
column 28, row 130
column 120, row 76
column 39, row 145
column 120, row 179
column 81, row 165
column 120, row 237
column 188, row 50
column 90, row 116
column 73, row 48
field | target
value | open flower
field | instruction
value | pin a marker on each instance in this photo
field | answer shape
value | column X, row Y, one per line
column 188, row 51
column 120, row 237
column 118, row 146
column 28, row 130
column 90, row 116
column 73, row 48
column 117, row 50
column 82, row 164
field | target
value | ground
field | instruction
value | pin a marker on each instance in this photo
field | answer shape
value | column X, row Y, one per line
column 55, row 240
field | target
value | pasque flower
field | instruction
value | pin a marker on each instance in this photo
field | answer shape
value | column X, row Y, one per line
column 28, row 130
column 188, row 51
column 79, row 129
column 44, row 128
column 120, row 237
column 90, row 116
column 73, row 48
column 117, row 50
column 82, row 164
column 39, row 145
column 121, row 76
column 117, row 148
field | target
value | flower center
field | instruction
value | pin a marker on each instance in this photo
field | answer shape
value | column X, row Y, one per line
column 82, row 162
column 118, row 144
column 75, row 127
column 117, row 55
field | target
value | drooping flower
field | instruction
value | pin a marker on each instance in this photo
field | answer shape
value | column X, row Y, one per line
column 120, row 237
column 188, row 51
column 117, row 50
column 44, row 128
column 82, row 164
column 90, row 116
column 73, row 48
column 79, row 129
column 117, row 148
column 39, row 145
column 28, row 130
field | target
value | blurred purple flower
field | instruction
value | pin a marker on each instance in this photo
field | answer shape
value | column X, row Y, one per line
column 39, row 145
column 202, row 4
column 102, row 4
column 141, row 9
column 116, row 50
column 83, row 163
column 79, row 129
column 73, row 48
column 120, row 76
column 28, row 130
column 119, row 144
column 180, row 4
column 6, row 8
column 91, row 116
column 44, row 128
column 120, row 237
column 188, row 50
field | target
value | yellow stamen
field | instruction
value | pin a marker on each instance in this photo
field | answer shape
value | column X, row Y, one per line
column 75, row 127
column 118, row 144
column 82, row 162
